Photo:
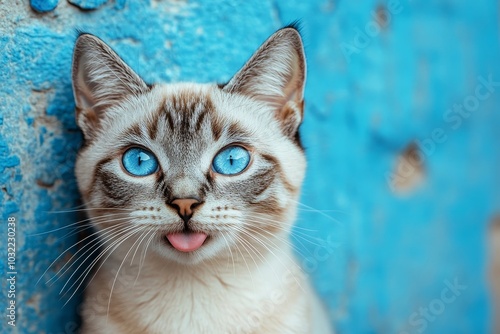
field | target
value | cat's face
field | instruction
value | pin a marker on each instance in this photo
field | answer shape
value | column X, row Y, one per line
column 191, row 170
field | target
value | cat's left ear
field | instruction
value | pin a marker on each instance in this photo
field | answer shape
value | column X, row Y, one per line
column 100, row 80
column 276, row 75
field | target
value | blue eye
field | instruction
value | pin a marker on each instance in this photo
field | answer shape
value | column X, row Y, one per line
column 231, row 160
column 137, row 161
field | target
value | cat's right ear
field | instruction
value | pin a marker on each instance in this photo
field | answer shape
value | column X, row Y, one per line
column 100, row 79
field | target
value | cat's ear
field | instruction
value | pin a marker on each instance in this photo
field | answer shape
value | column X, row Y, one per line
column 275, row 75
column 100, row 79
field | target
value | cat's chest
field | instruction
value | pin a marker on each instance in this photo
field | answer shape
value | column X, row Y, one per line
column 192, row 306
column 165, row 300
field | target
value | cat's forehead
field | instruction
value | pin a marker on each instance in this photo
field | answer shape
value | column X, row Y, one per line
column 187, row 119
column 188, row 114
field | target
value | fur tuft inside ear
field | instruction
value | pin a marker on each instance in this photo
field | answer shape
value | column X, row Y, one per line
column 276, row 75
column 100, row 79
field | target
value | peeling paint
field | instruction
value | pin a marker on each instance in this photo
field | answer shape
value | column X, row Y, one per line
column 88, row 4
column 42, row 6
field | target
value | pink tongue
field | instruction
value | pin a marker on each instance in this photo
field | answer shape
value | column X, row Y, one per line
column 186, row 242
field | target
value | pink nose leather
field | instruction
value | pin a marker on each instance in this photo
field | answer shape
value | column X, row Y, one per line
column 185, row 207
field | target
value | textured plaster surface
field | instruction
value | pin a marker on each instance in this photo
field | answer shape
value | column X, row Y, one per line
column 391, row 234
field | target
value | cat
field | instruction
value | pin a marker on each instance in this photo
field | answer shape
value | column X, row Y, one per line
column 192, row 189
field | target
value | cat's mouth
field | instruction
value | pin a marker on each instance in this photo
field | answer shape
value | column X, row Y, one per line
column 186, row 241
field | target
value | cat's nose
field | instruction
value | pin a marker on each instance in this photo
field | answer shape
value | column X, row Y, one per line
column 185, row 207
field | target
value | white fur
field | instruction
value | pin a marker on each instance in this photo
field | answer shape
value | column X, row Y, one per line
column 228, row 285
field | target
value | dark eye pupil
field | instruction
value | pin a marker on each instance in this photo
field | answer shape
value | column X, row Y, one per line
column 231, row 159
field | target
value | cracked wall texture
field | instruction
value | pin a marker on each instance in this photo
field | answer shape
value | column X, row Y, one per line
column 405, row 210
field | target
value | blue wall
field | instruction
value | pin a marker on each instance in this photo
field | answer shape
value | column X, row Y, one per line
column 407, row 184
